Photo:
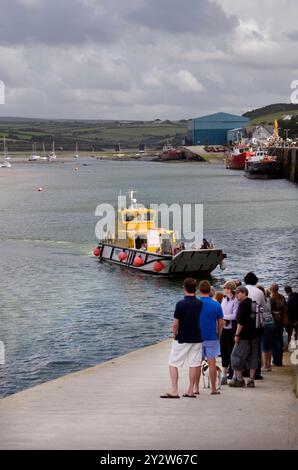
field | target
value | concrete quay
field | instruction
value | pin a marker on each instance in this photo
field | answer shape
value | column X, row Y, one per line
column 116, row 405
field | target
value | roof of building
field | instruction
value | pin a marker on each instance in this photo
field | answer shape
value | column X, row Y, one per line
column 267, row 127
column 220, row 117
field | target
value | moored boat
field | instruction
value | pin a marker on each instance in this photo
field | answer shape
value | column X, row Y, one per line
column 170, row 153
column 263, row 166
column 143, row 246
column 236, row 157
column 6, row 158
column 52, row 155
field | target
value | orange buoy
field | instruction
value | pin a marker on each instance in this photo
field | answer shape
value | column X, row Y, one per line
column 158, row 266
column 97, row 251
column 122, row 256
column 138, row 261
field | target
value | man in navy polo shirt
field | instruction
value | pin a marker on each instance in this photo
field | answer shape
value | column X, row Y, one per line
column 187, row 341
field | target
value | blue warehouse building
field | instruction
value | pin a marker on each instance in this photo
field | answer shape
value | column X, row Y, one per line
column 213, row 129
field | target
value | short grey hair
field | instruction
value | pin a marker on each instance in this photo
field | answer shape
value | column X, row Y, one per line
column 241, row 289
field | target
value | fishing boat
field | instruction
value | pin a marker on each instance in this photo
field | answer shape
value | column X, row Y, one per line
column 140, row 245
column 6, row 158
column 236, row 157
column 262, row 166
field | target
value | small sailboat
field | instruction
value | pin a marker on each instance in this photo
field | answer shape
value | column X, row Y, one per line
column 44, row 157
column 52, row 155
column 5, row 163
column 76, row 155
column 34, row 157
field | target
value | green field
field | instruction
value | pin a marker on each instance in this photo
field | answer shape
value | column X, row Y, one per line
column 269, row 118
column 100, row 135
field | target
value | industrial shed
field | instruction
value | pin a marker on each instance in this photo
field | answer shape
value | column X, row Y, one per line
column 213, row 129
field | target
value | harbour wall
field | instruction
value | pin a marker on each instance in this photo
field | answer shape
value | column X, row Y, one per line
column 289, row 160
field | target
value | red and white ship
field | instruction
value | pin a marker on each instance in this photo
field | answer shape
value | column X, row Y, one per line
column 236, row 158
column 170, row 153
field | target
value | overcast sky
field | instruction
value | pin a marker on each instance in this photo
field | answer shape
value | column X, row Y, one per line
column 145, row 59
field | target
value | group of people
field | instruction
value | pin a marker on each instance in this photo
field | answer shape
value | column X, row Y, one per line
column 226, row 325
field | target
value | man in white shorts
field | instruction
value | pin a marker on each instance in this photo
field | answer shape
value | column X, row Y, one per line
column 187, row 341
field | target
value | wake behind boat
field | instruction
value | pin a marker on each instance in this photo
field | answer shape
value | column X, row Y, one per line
column 143, row 246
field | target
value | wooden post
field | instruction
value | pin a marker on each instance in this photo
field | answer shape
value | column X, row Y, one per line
column 293, row 165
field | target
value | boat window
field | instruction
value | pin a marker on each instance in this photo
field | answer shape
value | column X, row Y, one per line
column 129, row 217
column 148, row 216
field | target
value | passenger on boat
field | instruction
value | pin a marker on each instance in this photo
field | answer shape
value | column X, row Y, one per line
column 138, row 243
column 205, row 245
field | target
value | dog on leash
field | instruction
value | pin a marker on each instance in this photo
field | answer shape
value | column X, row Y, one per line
column 206, row 376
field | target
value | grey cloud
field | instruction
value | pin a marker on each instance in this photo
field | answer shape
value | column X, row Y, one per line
column 56, row 22
column 198, row 17
column 112, row 59
column 292, row 35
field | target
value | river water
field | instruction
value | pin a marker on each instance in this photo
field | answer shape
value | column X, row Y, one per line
column 62, row 311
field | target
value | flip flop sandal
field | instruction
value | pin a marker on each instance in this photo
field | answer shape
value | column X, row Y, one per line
column 168, row 395
column 189, row 396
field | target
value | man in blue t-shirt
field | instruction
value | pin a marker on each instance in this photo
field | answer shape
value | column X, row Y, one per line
column 187, row 341
column 211, row 324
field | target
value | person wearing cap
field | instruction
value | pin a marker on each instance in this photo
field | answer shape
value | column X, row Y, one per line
column 229, row 306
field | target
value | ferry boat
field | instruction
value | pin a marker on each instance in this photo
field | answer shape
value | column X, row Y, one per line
column 142, row 246
column 262, row 166
column 235, row 158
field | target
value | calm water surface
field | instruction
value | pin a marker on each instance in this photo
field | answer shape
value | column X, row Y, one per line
column 61, row 311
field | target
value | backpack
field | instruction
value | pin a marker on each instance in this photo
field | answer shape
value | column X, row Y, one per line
column 257, row 315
